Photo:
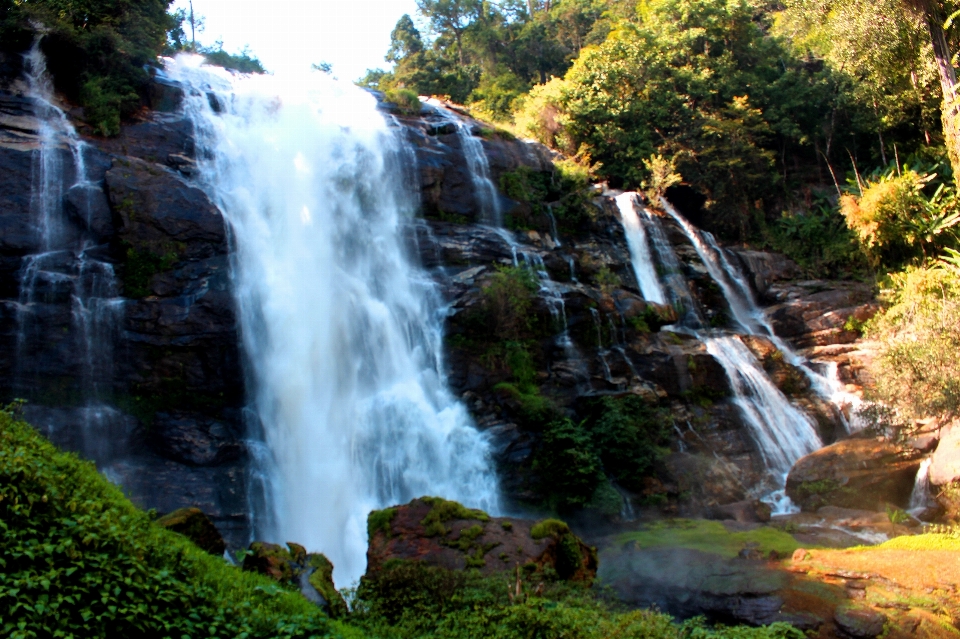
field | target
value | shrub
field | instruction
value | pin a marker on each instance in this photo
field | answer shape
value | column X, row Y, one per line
column 628, row 432
column 406, row 100
column 78, row 559
column 567, row 464
column 507, row 301
column 918, row 336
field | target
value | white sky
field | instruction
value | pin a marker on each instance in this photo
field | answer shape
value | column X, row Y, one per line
column 352, row 35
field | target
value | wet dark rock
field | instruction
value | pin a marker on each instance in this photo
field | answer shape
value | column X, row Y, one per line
column 688, row 583
column 859, row 623
column 87, row 205
column 763, row 268
column 195, row 440
column 161, row 214
column 197, row 527
column 749, row 511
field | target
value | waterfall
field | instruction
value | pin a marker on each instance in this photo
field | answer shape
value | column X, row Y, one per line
column 643, row 265
column 66, row 272
column 342, row 331
column 485, row 191
column 920, row 498
column 782, row 432
column 753, row 321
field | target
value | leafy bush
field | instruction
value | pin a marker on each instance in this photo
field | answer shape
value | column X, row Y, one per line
column 242, row 62
column 897, row 221
column 918, row 337
column 818, row 240
column 78, row 559
column 406, row 100
column 507, row 300
column 567, row 463
column 628, row 432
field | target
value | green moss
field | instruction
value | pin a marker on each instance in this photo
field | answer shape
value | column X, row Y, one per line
column 139, row 268
column 406, row 100
column 322, row 580
column 443, row 510
column 380, row 520
column 506, row 525
column 932, row 541
column 549, row 528
column 710, row 536
column 79, row 559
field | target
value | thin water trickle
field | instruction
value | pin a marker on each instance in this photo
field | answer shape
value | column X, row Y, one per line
column 341, row 328
column 63, row 272
column 485, row 191
column 644, row 266
column 920, row 497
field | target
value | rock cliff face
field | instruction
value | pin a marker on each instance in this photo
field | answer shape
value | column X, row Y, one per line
column 170, row 425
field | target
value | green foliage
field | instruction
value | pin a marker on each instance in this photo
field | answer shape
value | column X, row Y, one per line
column 242, row 62
column 442, row 511
column 406, row 100
column 96, row 52
column 918, row 336
column 818, row 240
column 709, row 536
column 379, row 521
column 897, row 220
column 568, row 465
column 697, row 82
column 628, row 432
column 549, row 528
column 896, row 516
column 322, row 580
column 507, row 300
column 409, row 600
column 80, row 560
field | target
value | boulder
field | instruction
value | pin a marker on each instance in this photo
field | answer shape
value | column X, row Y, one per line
column 195, row 526
column 858, row 622
column 855, row 473
column 764, row 268
column 945, row 465
column 445, row 534
column 311, row 573
column 749, row 511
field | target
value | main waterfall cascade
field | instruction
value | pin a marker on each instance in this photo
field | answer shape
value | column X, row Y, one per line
column 67, row 271
column 342, row 331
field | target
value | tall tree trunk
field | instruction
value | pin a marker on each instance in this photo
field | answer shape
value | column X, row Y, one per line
column 530, row 8
column 948, row 82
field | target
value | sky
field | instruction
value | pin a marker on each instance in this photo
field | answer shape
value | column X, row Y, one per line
column 352, row 35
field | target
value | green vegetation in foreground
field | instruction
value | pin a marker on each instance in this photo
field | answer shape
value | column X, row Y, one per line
column 79, row 560
column 710, row 536
column 413, row 601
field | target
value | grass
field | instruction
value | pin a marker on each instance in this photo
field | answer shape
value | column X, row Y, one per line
column 709, row 536
column 920, row 542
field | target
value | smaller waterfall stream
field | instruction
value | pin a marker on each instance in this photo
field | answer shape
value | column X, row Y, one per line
column 643, row 265
column 782, row 432
column 67, row 272
column 920, row 497
column 485, row 191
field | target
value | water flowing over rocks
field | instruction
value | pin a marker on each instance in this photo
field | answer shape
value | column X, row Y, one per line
column 176, row 426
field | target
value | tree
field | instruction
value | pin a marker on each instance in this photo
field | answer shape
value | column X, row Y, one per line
column 404, row 40
column 451, row 16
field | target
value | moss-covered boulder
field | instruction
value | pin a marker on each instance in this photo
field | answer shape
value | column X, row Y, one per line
column 193, row 524
column 448, row 535
column 310, row 573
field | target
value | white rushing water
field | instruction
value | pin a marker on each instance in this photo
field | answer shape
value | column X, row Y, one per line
column 920, row 497
column 783, row 433
column 643, row 263
column 64, row 267
column 752, row 320
column 343, row 332
column 485, row 191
